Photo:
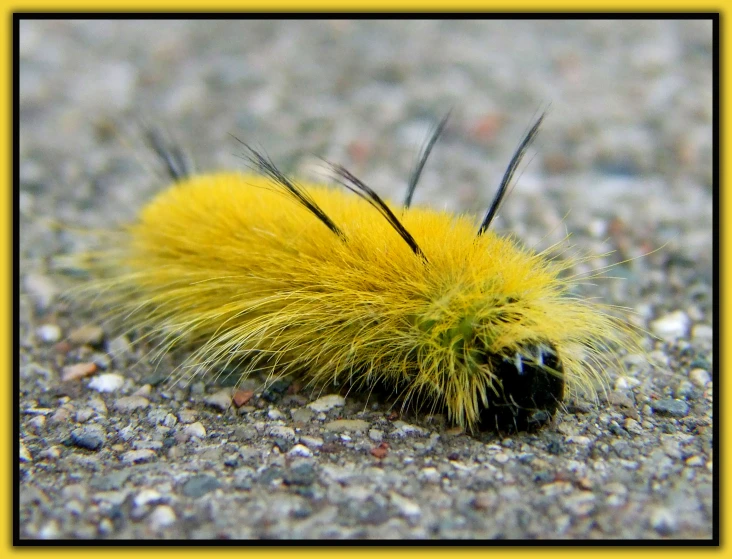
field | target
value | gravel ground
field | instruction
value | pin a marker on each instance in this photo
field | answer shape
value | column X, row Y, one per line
column 117, row 452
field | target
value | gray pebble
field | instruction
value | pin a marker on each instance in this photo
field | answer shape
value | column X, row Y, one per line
column 352, row 425
column 42, row 290
column 669, row 406
column 685, row 390
column 302, row 415
column 120, row 349
column 220, row 399
column 91, row 437
column 187, row 416
column 198, row 485
column 112, row 481
column 88, row 334
column 130, row 403
column 300, row 474
column 282, row 432
column 274, row 413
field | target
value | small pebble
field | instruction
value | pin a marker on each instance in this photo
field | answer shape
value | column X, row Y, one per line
column 78, row 370
column 130, row 403
column 162, row 517
column 404, row 429
column 684, row 390
column 430, row 475
column 120, row 349
column 220, row 399
column 49, row 333
column 327, row 403
column 90, row 334
column 663, row 521
column 700, row 377
column 241, row 397
column 302, row 415
column 137, row 456
column 406, row 507
column 352, row 425
column 199, row 484
column 671, row 326
column 102, row 360
column 146, row 497
column 501, row 458
column 195, row 430
column 312, row 442
column 107, row 382
column 632, row 426
column 702, row 332
column 90, row 437
column 38, row 422
column 145, row 390
column 41, row 289
column 300, row 450
column 187, row 416
column 274, row 413
column 376, row 435
column 50, row 531
column 282, row 432
column 23, row 454
column 670, row 406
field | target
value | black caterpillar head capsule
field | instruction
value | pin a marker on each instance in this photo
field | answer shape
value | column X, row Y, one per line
column 530, row 392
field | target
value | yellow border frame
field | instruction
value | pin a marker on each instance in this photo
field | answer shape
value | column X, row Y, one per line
column 174, row 6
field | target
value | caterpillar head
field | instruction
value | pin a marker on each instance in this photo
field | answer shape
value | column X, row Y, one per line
column 484, row 383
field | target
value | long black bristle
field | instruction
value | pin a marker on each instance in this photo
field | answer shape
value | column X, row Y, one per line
column 358, row 187
column 508, row 175
column 265, row 166
column 177, row 163
column 417, row 172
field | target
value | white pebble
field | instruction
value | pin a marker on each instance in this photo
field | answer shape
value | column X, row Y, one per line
column 702, row 332
column 300, row 450
column 430, row 475
column 501, row 458
column 700, row 377
column 376, row 435
column 663, row 521
column 312, row 442
column 49, row 333
column 327, row 403
column 162, row 517
column 195, row 430
column 23, row 454
column 135, row 456
column 282, row 431
column 108, row 382
column 406, row 507
column 671, row 326
column 147, row 496
column 274, row 413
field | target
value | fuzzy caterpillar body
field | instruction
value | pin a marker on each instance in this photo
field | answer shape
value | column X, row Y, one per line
column 475, row 325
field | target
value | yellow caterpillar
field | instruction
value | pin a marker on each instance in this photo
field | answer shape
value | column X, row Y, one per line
column 261, row 272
